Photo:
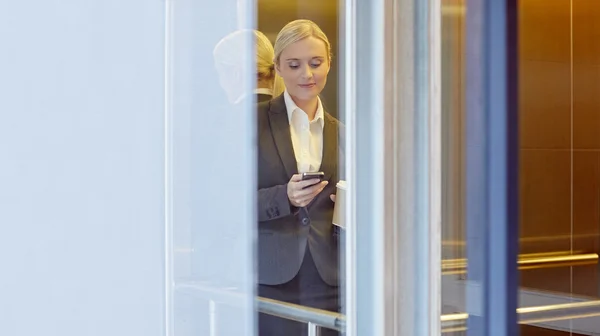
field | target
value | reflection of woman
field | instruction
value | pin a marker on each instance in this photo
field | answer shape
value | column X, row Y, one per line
column 298, row 246
column 230, row 56
column 267, row 85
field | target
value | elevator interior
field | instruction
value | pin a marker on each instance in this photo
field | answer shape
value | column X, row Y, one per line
column 559, row 116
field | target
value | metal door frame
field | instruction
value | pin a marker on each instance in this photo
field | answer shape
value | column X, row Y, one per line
column 492, row 167
column 391, row 98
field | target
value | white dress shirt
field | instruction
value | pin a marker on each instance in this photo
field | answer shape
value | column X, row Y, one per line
column 307, row 136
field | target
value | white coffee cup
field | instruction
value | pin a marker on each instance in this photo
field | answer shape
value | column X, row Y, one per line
column 339, row 209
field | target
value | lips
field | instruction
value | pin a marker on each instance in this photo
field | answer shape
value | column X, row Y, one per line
column 307, row 86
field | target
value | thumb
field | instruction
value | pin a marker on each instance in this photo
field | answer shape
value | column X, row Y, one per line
column 332, row 196
column 296, row 178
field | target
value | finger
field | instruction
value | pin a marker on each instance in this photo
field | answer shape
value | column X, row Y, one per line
column 307, row 183
column 299, row 191
column 314, row 189
column 305, row 199
column 332, row 196
column 296, row 178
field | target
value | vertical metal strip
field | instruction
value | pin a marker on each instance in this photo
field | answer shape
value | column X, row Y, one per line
column 512, row 164
column 406, row 169
column 492, row 167
column 476, row 177
column 168, row 170
column 347, row 110
column 368, row 176
column 435, row 165
column 394, row 166
column 427, row 171
column 421, row 162
column 313, row 329
column 212, row 318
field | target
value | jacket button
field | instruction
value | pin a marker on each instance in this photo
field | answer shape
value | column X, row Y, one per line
column 305, row 221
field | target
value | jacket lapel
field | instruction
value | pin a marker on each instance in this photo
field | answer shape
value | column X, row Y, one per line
column 280, row 128
column 329, row 162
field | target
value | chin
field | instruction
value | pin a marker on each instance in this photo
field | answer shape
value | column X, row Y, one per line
column 306, row 95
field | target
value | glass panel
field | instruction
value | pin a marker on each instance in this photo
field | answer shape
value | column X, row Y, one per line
column 299, row 247
column 559, row 81
column 210, row 172
column 453, row 157
column 81, row 146
column 454, row 249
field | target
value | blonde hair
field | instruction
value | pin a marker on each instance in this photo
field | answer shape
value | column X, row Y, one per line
column 265, row 53
column 291, row 33
column 230, row 51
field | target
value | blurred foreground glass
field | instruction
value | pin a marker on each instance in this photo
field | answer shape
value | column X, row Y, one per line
column 210, row 184
column 82, row 180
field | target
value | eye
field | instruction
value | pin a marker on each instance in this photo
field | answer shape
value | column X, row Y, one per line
column 316, row 64
column 294, row 65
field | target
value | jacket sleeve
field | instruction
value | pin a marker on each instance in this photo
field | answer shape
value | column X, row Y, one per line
column 273, row 203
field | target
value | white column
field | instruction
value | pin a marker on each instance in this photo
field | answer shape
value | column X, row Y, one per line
column 392, row 105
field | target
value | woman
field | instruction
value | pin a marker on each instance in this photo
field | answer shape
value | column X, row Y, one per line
column 298, row 246
column 268, row 84
column 230, row 60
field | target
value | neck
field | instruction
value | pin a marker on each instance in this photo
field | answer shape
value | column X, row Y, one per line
column 309, row 106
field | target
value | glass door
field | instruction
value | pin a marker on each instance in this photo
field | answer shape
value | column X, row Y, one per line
column 557, row 166
column 210, row 167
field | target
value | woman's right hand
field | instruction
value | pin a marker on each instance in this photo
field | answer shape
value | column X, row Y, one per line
column 301, row 193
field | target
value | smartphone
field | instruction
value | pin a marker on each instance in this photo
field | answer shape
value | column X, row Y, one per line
column 310, row 176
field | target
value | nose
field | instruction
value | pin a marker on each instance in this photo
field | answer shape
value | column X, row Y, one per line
column 307, row 73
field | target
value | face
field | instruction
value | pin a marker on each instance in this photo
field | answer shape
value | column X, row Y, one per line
column 230, row 80
column 304, row 66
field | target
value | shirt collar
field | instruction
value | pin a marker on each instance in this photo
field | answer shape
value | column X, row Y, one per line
column 291, row 107
column 264, row 91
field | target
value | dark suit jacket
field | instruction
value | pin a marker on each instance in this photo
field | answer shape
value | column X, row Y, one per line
column 284, row 231
column 261, row 97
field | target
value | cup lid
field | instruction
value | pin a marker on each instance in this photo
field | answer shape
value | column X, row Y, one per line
column 342, row 185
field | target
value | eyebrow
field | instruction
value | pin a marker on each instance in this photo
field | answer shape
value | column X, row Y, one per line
column 297, row 59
